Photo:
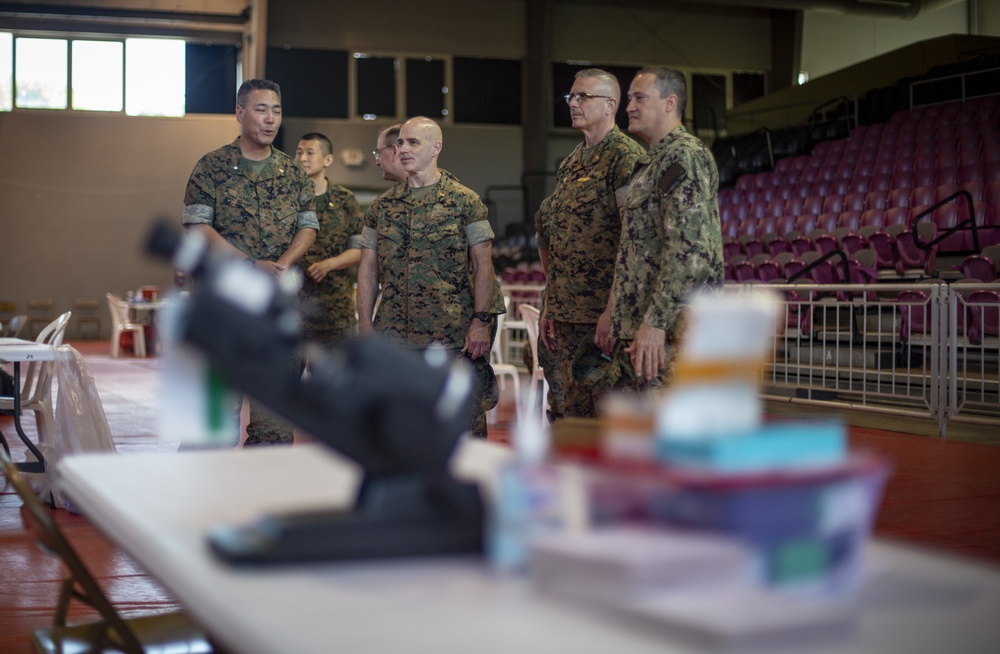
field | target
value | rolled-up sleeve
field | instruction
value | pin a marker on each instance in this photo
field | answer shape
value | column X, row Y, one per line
column 369, row 239
column 198, row 214
column 478, row 232
column 308, row 220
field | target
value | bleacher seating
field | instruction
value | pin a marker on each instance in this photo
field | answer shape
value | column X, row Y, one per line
column 865, row 191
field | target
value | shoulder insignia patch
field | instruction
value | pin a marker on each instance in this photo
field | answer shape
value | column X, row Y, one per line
column 670, row 177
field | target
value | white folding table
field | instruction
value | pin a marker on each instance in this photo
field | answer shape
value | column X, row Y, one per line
column 17, row 351
column 159, row 508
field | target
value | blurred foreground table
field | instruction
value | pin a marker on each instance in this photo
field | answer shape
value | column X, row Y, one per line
column 158, row 507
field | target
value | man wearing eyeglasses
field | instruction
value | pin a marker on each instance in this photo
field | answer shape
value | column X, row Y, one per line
column 386, row 154
column 429, row 244
column 671, row 234
column 578, row 236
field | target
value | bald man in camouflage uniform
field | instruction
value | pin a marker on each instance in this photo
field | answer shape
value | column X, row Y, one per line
column 671, row 235
column 578, row 233
column 428, row 242
column 254, row 201
column 329, row 265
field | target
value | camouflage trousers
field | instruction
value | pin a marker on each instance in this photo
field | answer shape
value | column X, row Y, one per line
column 577, row 400
column 549, row 361
column 265, row 427
column 329, row 335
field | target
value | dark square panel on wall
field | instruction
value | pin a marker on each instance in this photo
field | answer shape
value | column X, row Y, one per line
column 210, row 86
column 708, row 101
column 487, row 90
column 376, row 86
column 747, row 86
column 313, row 82
column 425, row 95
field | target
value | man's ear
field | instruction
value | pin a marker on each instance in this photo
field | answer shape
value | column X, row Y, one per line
column 671, row 103
column 328, row 160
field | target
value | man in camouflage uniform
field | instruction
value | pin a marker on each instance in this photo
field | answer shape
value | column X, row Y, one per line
column 329, row 264
column 387, row 154
column 256, row 202
column 429, row 243
column 671, row 235
column 578, row 236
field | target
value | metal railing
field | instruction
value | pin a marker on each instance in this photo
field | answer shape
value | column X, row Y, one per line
column 962, row 93
column 918, row 350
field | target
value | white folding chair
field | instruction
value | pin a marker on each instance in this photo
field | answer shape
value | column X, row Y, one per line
column 503, row 370
column 120, row 324
column 36, row 392
column 530, row 316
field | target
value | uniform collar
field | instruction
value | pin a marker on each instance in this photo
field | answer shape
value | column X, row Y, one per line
column 401, row 191
column 235, row 156
column 654, row 150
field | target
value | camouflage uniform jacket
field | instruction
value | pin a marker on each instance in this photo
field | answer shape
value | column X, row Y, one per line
column 580, row 227
column 671, row 236
column 339, row 229
column 423, row 262
column 259, row 217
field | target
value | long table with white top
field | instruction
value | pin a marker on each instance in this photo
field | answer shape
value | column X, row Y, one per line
column 159, row 508
column 18, row 351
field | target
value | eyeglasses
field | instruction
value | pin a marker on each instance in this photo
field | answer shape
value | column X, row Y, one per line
column 580, row 97
column 378, row 153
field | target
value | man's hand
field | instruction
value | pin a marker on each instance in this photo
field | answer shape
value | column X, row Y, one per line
column 319, row 270
column 547, row 332
column 646, row 351
column 271, row 267
column 602, row 337
column 477, row 340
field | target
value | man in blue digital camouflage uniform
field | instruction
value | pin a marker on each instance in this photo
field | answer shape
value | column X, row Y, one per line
column 252, row 200
column 671, row 241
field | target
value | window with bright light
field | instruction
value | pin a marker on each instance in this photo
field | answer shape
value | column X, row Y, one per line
column 40, row 73
column 6, row 71
column 97, row 75
column 154, row 77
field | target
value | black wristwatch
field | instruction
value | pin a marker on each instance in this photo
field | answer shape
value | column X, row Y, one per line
column 482, row 317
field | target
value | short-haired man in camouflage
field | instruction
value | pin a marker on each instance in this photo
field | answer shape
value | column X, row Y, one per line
column 671, row 235
column 329, row 264
column 429, row 243
column 387, row 154
column 578, row 233
column 251, row 199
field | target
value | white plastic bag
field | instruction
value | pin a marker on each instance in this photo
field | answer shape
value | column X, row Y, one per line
column 80, row 423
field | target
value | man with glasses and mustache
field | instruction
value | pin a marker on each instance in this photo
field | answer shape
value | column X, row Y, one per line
column 386, row 154
column 578, row 231
column 671, row 234
column 429, row 244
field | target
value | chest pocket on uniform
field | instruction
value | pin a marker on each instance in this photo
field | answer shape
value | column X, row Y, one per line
column 643, row 209
column 241, row 199
column 449, row 247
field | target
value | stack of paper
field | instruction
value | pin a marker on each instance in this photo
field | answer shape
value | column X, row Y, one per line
column 618, row 564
